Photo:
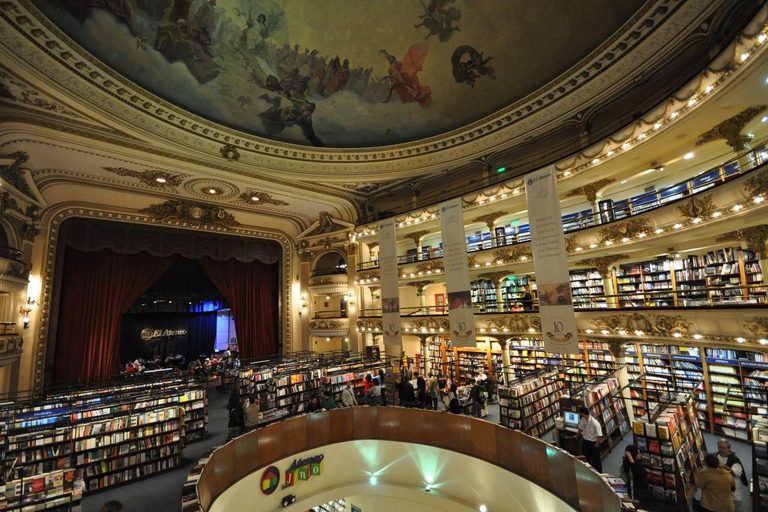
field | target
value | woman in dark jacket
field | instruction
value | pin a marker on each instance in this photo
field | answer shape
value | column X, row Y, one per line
column 638, row 474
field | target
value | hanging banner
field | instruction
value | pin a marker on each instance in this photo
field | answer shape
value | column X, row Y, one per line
column 390, row 291
column 460, row 313
column 558, row 321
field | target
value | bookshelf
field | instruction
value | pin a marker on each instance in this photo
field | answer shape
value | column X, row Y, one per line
column 483, row 293
column 512, row 288
column 760, row 466
column 587, row 289
column 604, row 402
column 672, row 446
column 56, row 491
column 532, row 404
column 469, row 361
column 651, row 277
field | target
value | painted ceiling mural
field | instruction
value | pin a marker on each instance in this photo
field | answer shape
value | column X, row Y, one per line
column 341, row 73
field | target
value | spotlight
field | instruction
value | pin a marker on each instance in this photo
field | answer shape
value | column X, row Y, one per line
column 428, row 488
column 288, row 500
column 374, row 480
column 483, row 508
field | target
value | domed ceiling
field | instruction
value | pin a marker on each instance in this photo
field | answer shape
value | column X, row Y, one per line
column 341, row 73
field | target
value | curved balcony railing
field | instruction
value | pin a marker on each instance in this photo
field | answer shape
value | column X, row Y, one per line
column 619, row 210
column 329, row 271
column 552, row 470
column 11, row 253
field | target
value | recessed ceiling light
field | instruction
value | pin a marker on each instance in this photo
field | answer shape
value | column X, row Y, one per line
column 212, row 191
column 764, row 119
column 688, row 156
column 623, row 182
column 160, row 180
column 256, row 198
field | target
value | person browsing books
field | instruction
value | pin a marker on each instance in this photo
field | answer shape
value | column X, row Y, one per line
column 592, row 435
column 731, row 463
column 716, row 484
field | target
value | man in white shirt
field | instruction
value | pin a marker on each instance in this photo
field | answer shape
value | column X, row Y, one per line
column 348, row 398
column 730, row 462
column 592, row 435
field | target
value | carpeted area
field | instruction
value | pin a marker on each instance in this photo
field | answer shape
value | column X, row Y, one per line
column 162, row 493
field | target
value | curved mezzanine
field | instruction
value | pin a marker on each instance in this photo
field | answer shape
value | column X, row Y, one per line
column 551, row 477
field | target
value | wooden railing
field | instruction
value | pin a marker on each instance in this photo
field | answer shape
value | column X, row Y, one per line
column 532, row 459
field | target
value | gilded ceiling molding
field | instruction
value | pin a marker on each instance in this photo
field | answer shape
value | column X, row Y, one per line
column 15, row 175
column 368, row 187
column 416, row 236
column 326, row 224
column 230, row 152
column 428, row 325
column 17, row 271
column 211, row 188
column 8, row 204
column 512, row 254
column 590, row 190
column 367, row 276
column 55, row 216
column 618, row 231
column 489, row 219
column 603, row 264
column 571, row 243
column 369, row 324
column 372, row 245
column 757, row 325
column 647, row 323
column 757, row 185
column 607, row 64
column 21, row 92
column 730, row 129
column 258, row 198
column 514, row 324
column 329, row 325
column 190, row 213
column 430, row 267
column 701, row 208
column 152, row 177
column 419, row 285
column 754, row 236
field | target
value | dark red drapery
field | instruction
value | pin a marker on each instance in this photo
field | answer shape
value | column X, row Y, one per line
column 97, row 289
column 253, row 293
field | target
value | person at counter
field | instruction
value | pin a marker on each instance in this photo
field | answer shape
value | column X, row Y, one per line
column 592, row 435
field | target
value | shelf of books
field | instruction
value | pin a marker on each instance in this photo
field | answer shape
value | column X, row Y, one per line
column 512, row 288
column 56, row 491
column 760, row 466
column 587, row 289
column 724, row 273
column 672, row 447
column 532, row 403
column 483, row 293
column 335, row 378
column 469, row 361
column 654, row 278
column 604, row 402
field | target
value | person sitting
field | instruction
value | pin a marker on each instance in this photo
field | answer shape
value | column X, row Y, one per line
column 314, row 404
column 129, row 368
column 251, row 413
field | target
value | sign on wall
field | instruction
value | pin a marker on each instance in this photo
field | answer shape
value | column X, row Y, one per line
column 558, row 320
column 460, row 313
column 300, row 470
column 390, row 289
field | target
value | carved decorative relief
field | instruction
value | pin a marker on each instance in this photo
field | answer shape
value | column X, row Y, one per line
column 230, row 152
column 701, row 208
column 327, row 325
column 514, row 324
column 416, row 236
column 10, row 346
column 489, row 218
column 150, row 177
column 7, row 203
column 429, row 267
column 757, row 185
column 627, row 229
column 369, row 325
column 190, row 213
column 603, row 264
column 648, row 323
column 326, row 224
column 14, row 174
column 730, row 129
column 257, row 198
column 306, row 256
column 428, row 325
column 513, row 254
column 208, row 188
column 496, row 277
column 757, row 325
column 419, row 285
column 366, row 188
column 322, row 281
column 571, row 243
column 590, row 190
column 754, row 236
column 368, row 276
column 21, row 92
column 28, row 232
column 17, row 271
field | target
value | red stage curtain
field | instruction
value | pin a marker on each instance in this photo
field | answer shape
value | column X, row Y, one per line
column 253, row 292
column 97, row 289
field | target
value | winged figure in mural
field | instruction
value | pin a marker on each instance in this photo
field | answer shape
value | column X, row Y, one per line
column 403, row 76
column 296, row 112
column 469, row 65
column 439, row 19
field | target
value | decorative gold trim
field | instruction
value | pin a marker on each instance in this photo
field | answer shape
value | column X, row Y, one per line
column 512, row 254
column 603, row 264
column 150, row 177
column 754, row 236
column 730, row 129
column 648, row 323
column 628, row 229
column 590, row 190
column 263, row 198
column 190, row 213
column 701, row 208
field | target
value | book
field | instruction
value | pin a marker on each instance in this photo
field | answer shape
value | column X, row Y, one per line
column 654, row 446
column 650, row 430
column 642, row 444
column 638, row 428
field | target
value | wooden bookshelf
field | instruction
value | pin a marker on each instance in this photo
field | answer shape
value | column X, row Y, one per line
column 532, row 404
column 587, row 289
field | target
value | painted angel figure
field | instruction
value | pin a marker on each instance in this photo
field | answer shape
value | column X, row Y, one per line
column 403, row 76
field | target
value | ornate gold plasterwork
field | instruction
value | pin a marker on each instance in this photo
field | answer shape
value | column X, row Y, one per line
column 757, row 185
column 10, row 346
column 647, row 323
column 372, row 245
column 571, row 243
column 603, row 264
column 230, row 152
column 306, row 256
column 730, row 129
column 322, row 324
column 17, row 271
column 366, row 188
column 757, row 325
column 627, row 229
column 7, row 203
column 263, row 198
column 15, row 175
column 189, row 213
column 28, row 232
column 429, row 266
column 701, row 208
column 150, row 176
column 754, row 236
column 590, row 190
column 419, row 285
column 21, row 92
column 428, row 326
column 489, row 219
column 369, row 324
column 326, row 224
column 363, row 277
column 322, row 281
column 512, row 254
column 416, row 236
column 513, row 324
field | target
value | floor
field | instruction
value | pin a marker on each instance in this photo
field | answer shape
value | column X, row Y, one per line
column 163, row 492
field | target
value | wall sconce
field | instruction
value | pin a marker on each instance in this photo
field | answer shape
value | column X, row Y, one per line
column 26, row 310
column 303, row 305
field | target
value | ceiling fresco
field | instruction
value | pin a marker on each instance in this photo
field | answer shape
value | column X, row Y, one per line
column 341, row 73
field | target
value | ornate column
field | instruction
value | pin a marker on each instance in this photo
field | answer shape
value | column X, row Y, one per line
column 730, row 131
column 353, row 301
column 604, row 266
column 305, row 300
column 416, row 236
column 753, row 238
column 505, row 361
column 498, row 278
column 420, row 286
column 619, row 361
column 592, row 192
column 489, row 220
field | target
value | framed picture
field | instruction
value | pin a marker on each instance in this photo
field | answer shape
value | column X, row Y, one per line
column 440, row 302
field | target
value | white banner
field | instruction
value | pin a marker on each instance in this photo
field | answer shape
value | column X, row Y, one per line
column 558, row 321
column 390, row 290
column 456, row 264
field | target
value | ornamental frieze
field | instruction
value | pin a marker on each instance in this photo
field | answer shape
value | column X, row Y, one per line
column 191, row 214
column 754, row 236
column 513, row 254
column 327, row 325
column 628, row 229
column 647, row 323
column 757, row 185
column 430, row 325
column 260, row 198
column 514, row 323
column 590, row 190
column 151, row 177
column 369, row 324
column 603, row 264
column 323, row 281
column 757, row 325
column 368, row 276
column 10, row 346
column 701, row 208
column 430, row 267
column 17, row 271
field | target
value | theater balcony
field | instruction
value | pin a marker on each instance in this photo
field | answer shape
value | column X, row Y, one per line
column 329, row 327
column 329, row 284
column 14, row 273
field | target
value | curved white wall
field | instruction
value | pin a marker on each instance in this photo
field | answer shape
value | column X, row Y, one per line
column 459, row 483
